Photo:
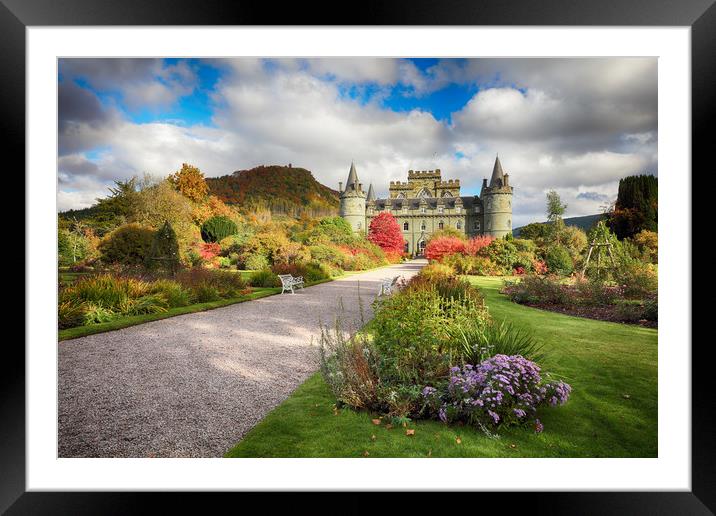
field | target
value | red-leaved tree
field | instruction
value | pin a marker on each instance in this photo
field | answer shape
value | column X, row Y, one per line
column 440, row 247
column 474, row 245
column 384, row 232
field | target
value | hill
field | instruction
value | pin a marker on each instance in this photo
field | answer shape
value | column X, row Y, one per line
column 282, row 189
column 585, row 222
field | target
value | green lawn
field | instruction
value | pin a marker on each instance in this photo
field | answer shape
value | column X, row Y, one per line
column 612, row 411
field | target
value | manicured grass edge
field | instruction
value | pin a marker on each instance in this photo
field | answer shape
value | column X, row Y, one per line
column 126, row 322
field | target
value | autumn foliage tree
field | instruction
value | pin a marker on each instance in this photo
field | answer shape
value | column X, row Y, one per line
column 190, row 182
column 473, row 246
column 384, row 232
column 440, row 247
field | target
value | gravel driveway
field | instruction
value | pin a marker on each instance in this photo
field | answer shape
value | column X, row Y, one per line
column 193, row 385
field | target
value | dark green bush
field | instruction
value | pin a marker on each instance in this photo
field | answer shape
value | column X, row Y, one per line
column 218, row 228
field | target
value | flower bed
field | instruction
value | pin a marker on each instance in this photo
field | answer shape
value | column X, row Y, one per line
column 434, row 352
column 585, row 298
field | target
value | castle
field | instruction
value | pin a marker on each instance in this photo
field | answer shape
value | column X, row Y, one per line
column 426, row 203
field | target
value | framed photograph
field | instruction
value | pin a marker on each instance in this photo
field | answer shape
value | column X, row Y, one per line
column 260, row 257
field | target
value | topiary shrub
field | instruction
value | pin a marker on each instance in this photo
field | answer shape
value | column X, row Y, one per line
column 164, row 253
column 218, row 228
column 129, row 244
column 559, row 261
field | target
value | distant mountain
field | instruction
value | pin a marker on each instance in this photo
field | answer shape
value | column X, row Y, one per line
column 585, row 222
column 282, row 189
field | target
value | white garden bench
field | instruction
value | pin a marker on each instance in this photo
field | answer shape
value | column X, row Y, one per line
column 387, row 285
column 289, row 283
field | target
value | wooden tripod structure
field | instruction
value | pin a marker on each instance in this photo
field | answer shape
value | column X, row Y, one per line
column 598, row 246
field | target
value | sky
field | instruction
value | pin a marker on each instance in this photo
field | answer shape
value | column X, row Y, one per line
column 573, row 125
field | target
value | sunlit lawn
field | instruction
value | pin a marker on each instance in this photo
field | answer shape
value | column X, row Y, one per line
column 612, row 412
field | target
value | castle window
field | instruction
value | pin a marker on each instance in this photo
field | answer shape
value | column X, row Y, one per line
column 440, row 209
column 360, row 225
column 458, row 225
column 424, row 194
column 401, row 195
column 477, row 225
column 422, row 226
column 447, row 194
column 422, row 209
column 489, row 224
column 405, row 226
column 509, row 224
column 441, row 225
column 457, row 209
column 477, row 209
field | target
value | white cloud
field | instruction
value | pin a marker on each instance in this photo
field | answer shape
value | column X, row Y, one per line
column 573, row 125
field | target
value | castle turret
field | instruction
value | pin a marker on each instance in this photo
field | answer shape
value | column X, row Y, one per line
column 497, row 203
column 352, row 202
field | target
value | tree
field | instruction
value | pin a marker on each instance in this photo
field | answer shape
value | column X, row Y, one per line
column 636, row 207
column 385, row 232
column 555, row 208
column 190, row 182
column 439, row 248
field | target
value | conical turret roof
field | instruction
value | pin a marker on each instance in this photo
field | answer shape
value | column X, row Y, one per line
column 371, row 193
column 352, row 178
column 498, row 175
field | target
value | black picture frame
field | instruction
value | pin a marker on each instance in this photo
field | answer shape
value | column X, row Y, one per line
column 700, row 15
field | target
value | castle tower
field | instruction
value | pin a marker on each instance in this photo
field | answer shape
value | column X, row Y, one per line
column 352, row 202
column 497, row 203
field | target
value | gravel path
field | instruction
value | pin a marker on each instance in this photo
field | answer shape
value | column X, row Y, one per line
column 193, row 385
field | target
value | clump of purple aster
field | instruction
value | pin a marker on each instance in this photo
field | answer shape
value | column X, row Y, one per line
column 501, row 390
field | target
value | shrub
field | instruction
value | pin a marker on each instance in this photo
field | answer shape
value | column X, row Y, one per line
column 217, row 229
column 309, row 271
column 173, row 292
column 637, row 279
column 70, row 314
column 205, row 293
column 536, row 289
column 129, row 244
column 592, row 291
column 501, row 391
column 225, row 262
column 476, row 244
column 648, row 243
column 209, row 251
column 384, row 232
column 502, row 253
column 264, row 278
column 327, row 254
column 440, row 247
column 651, row 309
column 104, row 290
column 348, row 366
column 414, row 332
column 437, row 271
column 227, row 284
column 559, row 260
column 256, row 262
